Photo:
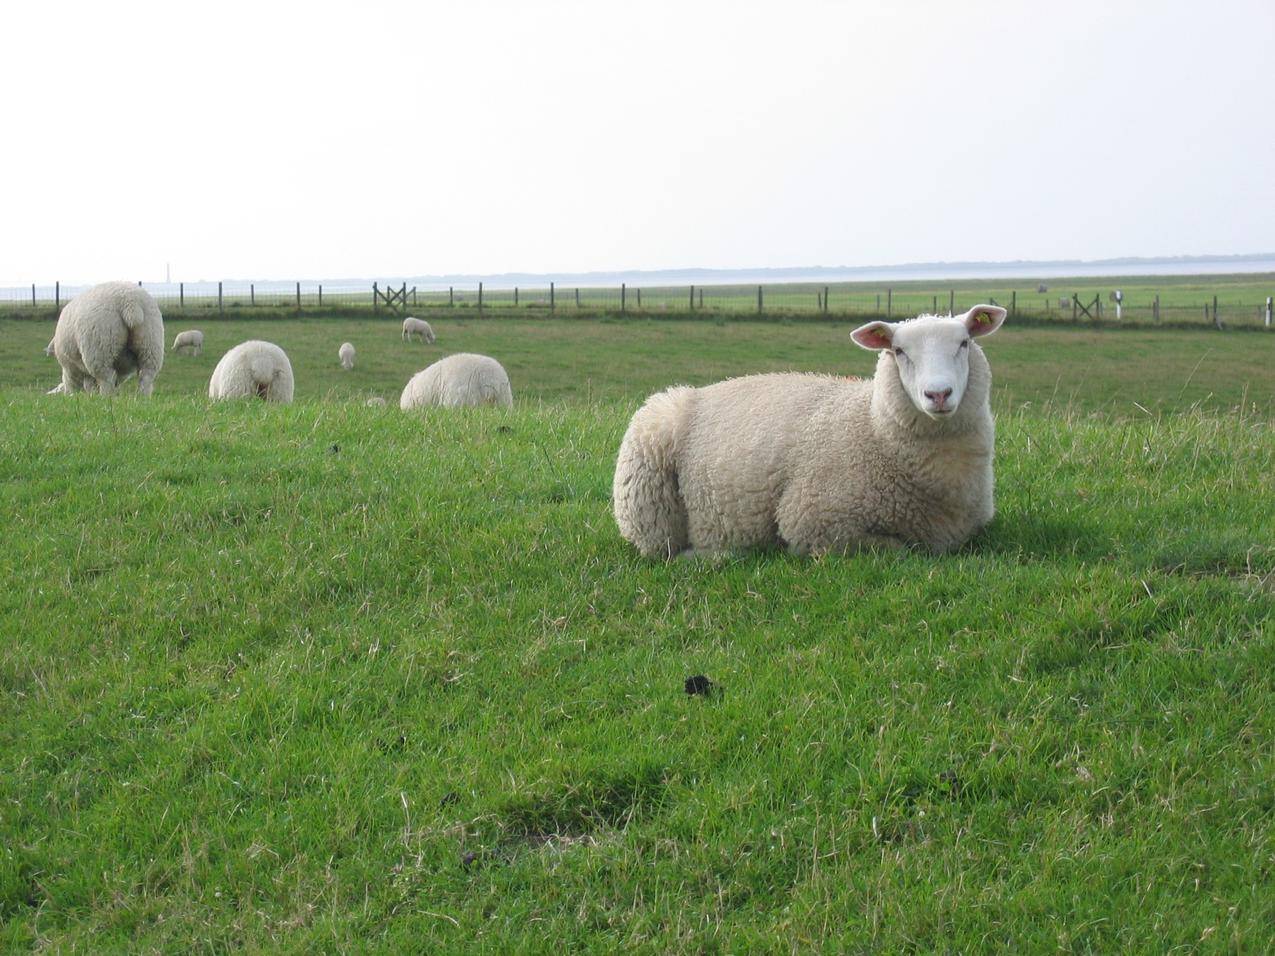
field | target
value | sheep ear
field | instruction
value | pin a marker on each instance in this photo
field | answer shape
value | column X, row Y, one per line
column 874, row 336
column 984, row 319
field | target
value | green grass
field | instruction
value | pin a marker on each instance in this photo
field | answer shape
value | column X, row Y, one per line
column 329, row 678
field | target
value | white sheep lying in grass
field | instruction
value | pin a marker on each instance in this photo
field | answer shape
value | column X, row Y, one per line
column 106, row 334
column 459, row 380
column 414, row 326
column 192, row 339
column 346, row 354
column 820, row 463
column 253, row 369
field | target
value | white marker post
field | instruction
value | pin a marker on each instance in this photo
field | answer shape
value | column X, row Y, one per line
column 1119, row 299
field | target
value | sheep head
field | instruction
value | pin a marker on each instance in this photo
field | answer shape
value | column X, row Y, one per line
column 931, row 354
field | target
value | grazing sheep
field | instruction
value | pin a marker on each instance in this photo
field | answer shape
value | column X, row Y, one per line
column 820, row 463
column 346, row 354
column 253, row 369
column 459, row 380
column 106, row 334
column 413, row 326
column 190, row 339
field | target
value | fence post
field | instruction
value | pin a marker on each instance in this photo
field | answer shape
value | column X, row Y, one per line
column 553, row 306
column 577, row 297
column 451, row 297
column 480, row 298
column 298, row 296
column 376, row 300
column 1075, row 306
column 889, row 302
column 825, row 300
column 639, row 299
column 759, row 300
column 692, row 298
column 1216, row 321
column 701, row 298
column 181, row 294
column 515, row 297
column 622, row 289
column 57, row 297
column 951, row 302
column 1013, row 303
column 252, row 293
column 415, row 301
column 1268, row 311
column 1155, row 308
column 935, row 305
column 320, row 296
column 878, row 303
column 221, row 308
column 33, row 297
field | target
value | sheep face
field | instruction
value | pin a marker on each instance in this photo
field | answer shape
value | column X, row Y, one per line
column 931, row 354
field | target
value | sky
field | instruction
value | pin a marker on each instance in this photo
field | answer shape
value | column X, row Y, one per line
column 312, row 140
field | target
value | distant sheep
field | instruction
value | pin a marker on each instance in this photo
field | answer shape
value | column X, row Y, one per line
column 414, row 326
column 346, row 354
column 253, row 369
column 820, row 463
column 190, row 339
column 106, row 334
column 459, row 380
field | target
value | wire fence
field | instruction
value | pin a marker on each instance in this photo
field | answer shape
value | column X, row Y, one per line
column 1177, row 307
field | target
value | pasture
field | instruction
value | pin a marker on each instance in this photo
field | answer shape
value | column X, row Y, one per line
column 324, row 677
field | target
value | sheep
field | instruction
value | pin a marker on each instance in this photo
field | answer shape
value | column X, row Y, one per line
column 414, row 326
column 459, row 380
column 253, row 368
column 106, row 334
column 820, row 463
column 191, row 339
column 346, row 354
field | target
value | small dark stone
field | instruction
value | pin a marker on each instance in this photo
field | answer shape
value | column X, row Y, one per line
column 699, row 684
column 468, row 859
column 335, row 450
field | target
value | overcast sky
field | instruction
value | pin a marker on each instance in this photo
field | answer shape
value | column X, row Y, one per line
column 273, row 140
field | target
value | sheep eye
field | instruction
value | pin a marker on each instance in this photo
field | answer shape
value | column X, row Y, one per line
column 898, row 351
column 965, row 344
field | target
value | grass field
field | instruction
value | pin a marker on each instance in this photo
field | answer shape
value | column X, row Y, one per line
column 324, row 677
column 1183, row 300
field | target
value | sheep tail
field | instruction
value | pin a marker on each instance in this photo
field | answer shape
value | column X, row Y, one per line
column 646, row 497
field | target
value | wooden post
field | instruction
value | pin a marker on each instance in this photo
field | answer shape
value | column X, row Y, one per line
column 33, row 295
column 759, row 300
column 181, row 294
column 639, row 299
column 701, row 298
column 480, row 298
column 889, row 302
column 415, row 300
column 878, row 303
column 221, row 308
column 825, row 300
column 252, row 294
column 1268, row 310
column 57, row 296
column 1075, row 305
column 553, row 307
column 376, row 300
column 451, row 297
column 1216, row 321
column 1155, row 308
column 1013, row 303
column 692, row 298
column 515, row 297
column 621, row 296
column 577, row 297
column 298, row 296
column 935, row 305
column 951, row 302
column 320, row 296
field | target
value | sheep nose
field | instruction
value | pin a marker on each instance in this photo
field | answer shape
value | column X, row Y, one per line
column 939, row 398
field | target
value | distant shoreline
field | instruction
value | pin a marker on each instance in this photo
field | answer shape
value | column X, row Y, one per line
column 1257, row 263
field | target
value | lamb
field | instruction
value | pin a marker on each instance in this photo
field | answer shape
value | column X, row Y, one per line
column 106, row 334
column 253, row 368
column 414, row 326
column 192, row 339
column 346, row 354
column 459, row 380
column 820, row 463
